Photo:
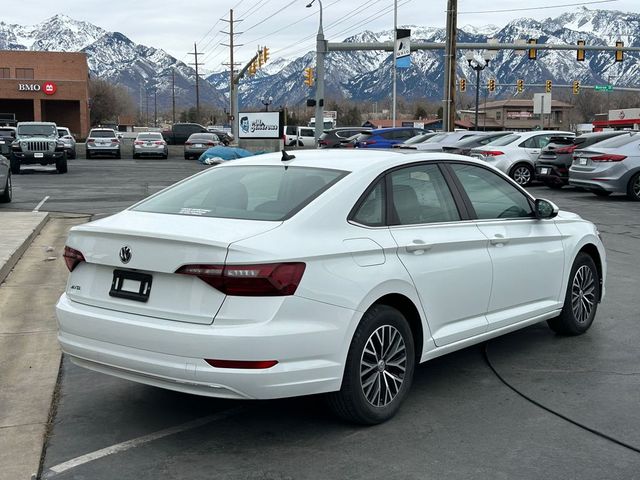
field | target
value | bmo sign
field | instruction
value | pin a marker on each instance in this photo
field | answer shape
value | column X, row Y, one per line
column 49, row 88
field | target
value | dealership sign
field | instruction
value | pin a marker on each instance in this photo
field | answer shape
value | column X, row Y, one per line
column 259, row 125
column 49, row 88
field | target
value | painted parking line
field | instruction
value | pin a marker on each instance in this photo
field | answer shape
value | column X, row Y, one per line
column 39, row 206
column 136, row 442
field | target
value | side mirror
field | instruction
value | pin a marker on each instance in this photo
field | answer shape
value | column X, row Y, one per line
column 545, row 209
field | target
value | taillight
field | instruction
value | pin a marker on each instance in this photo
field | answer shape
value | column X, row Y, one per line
column 188, row 143
column 115, row 140
column 244, row 364
column 268, row 280
column 368, row 142
column 608, row 157
column 211, row 144
column 568, row 149
column 72, row 257
column 159, row 142
column 90, row 140
column 138, row 142
column 492, row 153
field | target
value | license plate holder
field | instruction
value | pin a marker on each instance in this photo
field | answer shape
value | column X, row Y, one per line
column 582, row 161
column 544, row 171
column 38, row 155
column 131, row 285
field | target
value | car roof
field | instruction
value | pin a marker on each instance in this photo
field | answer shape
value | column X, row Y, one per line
column 352, row 160
column 390, row 129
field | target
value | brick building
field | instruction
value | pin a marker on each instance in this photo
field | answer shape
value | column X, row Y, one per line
column 517, row 114
column 46, row 86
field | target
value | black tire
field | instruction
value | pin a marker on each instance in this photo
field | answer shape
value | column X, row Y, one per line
column 15, row 165
column 88, row 154
column 135, row 155
column 61, row 164
column 187, row 157
column 581, row 299
column 8, row 191
column 352, row 402
column 633, row 188
column 522, row 174
column 118, row 155
column 554, row 186
column 164, row 157
column 71, row 155
column 601, row 193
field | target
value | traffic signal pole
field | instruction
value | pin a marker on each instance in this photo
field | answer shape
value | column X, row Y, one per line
column 321, row 50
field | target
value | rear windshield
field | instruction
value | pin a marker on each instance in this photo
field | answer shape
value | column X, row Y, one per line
column 506, row 140
column 62, row 132
column 203, row 136
column 438, row 137
column 247, row 192
column 618, row 141
column 562, row 140
column 149, row 136
column 102, row 134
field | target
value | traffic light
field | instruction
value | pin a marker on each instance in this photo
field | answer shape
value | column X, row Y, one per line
column 533, row 53
column 492, row 85
column 580, row 53
column 547, row 86
column 520, row 85
column 576, row 87
column 308, row 76
column 463, row 85
column 259, row 59
column 252, row 68
column 619, row 53
column 265, row 54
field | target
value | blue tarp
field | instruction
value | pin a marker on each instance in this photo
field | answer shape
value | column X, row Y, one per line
column 224, row 153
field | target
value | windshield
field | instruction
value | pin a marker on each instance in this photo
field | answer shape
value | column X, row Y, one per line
column 248, row 192
column 506, row 140
column 102, row 134
column 62, row 132
column 37, row 130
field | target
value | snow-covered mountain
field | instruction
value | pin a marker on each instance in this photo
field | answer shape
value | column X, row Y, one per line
column 361, row 76
column 113, row 56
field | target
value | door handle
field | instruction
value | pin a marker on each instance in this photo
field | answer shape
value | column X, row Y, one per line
column 418, row 247
column 498, row 240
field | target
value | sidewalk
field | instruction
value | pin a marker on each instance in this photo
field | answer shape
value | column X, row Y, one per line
column 17, row 231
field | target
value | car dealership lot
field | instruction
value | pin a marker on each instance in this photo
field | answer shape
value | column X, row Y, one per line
column 459, row 420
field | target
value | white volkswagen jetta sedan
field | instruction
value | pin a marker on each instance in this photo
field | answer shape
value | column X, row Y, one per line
column 328, row 272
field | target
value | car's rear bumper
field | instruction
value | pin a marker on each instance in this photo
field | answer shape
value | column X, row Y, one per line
column 308, row 339
column 550, row 173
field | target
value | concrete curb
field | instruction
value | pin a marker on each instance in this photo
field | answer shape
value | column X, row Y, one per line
column 6, row 268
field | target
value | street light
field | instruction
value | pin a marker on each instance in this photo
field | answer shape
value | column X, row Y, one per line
column 321, row 48
column 478, row 67
column 266, row 101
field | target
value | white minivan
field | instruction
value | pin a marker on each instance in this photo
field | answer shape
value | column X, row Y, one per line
column 299, row 136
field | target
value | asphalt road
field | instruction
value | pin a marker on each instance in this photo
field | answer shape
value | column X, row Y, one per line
column 461, row 420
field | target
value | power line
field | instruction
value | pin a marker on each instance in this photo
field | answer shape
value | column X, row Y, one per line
column 271, row 16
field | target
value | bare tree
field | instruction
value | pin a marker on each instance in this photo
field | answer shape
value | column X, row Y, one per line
column 108, row 101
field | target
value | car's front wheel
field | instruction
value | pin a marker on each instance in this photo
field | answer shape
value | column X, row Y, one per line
column 581, row 299
column 379, row 368
column 61, row 164
column 522, row 173
column 633, row 188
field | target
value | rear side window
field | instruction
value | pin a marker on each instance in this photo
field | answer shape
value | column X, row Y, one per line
column 420, row 195
column 291, row 130
column 491, row 195
column 248, row 192
column 307, row 132
column 371, row 212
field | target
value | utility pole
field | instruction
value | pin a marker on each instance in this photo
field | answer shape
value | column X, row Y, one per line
column 155, row 106
column 395, row 58
column 197, row 64
column 448, row 107
column 233, row 88
column 173, row 96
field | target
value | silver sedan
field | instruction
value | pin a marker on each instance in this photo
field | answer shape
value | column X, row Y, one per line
column 5, row 170
column 150, row 144
column 611, row 166
column 198, row 143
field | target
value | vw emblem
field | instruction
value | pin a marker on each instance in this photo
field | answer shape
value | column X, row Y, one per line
column 125, row 254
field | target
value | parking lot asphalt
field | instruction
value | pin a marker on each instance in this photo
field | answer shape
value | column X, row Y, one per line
column 527, row 405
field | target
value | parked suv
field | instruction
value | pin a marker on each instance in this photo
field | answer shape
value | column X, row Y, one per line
column 552, row 166
column 103, row 141
column 37, row 143
column 180, row 132
column 336, row 137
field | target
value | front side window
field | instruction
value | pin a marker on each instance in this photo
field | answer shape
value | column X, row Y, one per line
column 420, row 195
column 491, row 195
column 247, row 192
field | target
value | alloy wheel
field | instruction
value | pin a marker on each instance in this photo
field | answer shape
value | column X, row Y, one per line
column 583, row 298
column 383, row 365
column 522, row 175
column 635, row 188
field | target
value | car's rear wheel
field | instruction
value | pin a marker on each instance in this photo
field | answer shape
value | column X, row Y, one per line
column 8, row 191
column 61, row 164
column 88, row 155
column 118, row 155
column 633, row 188
column 581, row 299
column 522, row 174
column 15, row 165
column 379, row 368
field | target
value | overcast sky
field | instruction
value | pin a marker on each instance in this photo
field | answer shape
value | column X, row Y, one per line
column 291, row 28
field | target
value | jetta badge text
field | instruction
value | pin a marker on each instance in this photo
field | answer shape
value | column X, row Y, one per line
column 125, row 254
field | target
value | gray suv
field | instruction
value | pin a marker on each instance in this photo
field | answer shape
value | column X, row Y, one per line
column 37, row 143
